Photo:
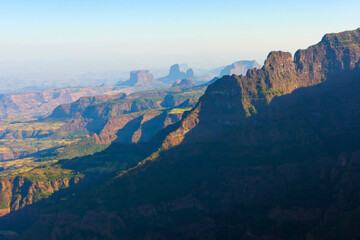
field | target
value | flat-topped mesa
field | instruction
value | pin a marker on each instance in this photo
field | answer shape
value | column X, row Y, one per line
column 138, row 77
column 141, row 76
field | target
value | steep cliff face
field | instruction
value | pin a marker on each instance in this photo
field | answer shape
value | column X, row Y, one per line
column 134, row 128
column 19, row 192
column 231, row 99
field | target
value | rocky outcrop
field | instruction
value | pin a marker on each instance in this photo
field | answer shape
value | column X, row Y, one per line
column 189, row 73
column 19, row 192
column 176, row 74
column 184, row 83
column 232, row 99
column 239, row 68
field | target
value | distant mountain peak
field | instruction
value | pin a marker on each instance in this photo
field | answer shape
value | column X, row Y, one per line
column 239, row 67
column 138, row 77
column 190, row 73
column 175, row 73
column 141, row 78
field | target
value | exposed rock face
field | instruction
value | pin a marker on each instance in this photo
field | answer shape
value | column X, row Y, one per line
column 35, row 104
column 175, row 71
column 231, row 99
column 134, row 128
column 189, row 73
column 18, row 192
column 176, row 74
column 239, row 68
column 140, row 78
column 185, row 83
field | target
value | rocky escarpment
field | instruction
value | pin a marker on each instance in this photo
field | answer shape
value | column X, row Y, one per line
column 134, row 128
column 232, row 99
column 239, row 68
column 19, row 192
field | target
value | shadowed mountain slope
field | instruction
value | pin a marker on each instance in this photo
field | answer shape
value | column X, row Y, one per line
column 105, row 116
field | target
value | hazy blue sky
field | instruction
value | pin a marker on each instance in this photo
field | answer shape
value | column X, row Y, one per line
column 80, row 36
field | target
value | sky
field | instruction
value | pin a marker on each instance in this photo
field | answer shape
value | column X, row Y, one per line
column 104, row 35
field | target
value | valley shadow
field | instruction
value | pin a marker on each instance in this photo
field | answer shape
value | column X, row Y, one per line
column 125, row 134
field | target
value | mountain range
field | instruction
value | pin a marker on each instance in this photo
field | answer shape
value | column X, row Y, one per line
column 40, row 103
column 270, row 154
